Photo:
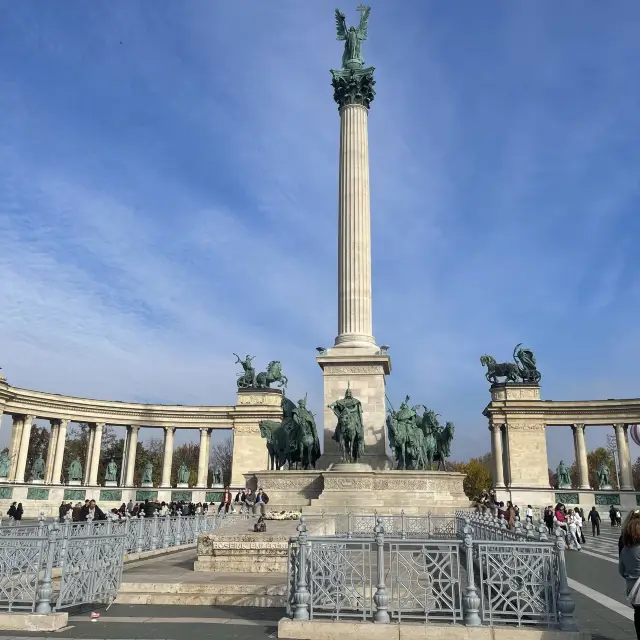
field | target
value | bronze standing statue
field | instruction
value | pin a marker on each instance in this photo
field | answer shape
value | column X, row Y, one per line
column 352, row 58
column 349, row 431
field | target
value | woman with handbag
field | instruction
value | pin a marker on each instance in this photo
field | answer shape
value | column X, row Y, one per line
column 629, row 563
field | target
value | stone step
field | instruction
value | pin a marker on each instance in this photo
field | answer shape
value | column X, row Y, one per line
column 261, row 592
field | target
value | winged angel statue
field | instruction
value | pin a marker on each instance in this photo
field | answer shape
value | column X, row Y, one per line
column 351, row 58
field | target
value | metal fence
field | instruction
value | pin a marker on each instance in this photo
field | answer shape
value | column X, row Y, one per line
column 402, row 526
column 89, row 557
column 475, row 577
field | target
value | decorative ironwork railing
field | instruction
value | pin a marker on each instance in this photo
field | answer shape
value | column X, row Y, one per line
column 89, row 557
column 402, row 526
column 482, row 575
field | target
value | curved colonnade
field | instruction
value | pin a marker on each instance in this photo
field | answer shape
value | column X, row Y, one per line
column 25, row 406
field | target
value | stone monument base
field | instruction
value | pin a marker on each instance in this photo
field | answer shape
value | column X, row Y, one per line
column 239, row 549
column 110, row 483
column 38, row 481
column 217, row 486
column 182, row 485
column 147, row 485
column 75, row 483
column 4, row 478
column 362, row 492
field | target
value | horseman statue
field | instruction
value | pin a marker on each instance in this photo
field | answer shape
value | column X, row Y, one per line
column 522, row 369
column 293, row 442
column 263, row 380
column 349, row 433
column 417, row 441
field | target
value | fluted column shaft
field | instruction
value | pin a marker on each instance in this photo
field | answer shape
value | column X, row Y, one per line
column 168, row 456
column 624, row 457
column 56, row 473
column 355, row 327
column 131, row 456
column 581, row 456
column 51, row 451
column 16, row 439
column 89, row 458
column 24, row 448
column 203, row 458
column 95, row 453
column 496, row 452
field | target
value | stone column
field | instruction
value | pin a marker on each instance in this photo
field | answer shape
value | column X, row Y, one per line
column 24, row 448
column 14, row 449
column 581, row 456
column 131, row 455
column 95, row 454
column 203, row 458
column 168, row 456
column 624, row 458
column 56, row 473
column 496, row 452
column 89, row 458
column 51, row 451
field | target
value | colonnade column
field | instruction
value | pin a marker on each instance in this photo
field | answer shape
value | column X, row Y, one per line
column 14, row 450
column 95, row 452
column 624, row 457
column 24, row 448
column 51, row 451
column 87, row 462
column 56, row 471
column 581, row 456
column 496, row 452
column 203, row 457
column 168, row 456
column 131, row 455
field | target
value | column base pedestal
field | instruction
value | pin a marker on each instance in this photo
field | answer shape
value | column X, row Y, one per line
column 75, row 483
column 36, row 481
column 146, row 485
column 182, row 485
column 110, row 483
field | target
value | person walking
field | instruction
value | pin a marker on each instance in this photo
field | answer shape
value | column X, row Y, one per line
column 629, row 563
column 595, row 519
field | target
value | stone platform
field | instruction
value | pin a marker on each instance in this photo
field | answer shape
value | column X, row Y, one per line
column 238, row 549
column 171, row 580
column 363, row 492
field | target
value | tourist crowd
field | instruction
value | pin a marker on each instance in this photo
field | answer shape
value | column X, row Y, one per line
column 245, row 501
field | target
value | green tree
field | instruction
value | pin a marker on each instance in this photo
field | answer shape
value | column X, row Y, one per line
column 478, row 478
column 221, row 455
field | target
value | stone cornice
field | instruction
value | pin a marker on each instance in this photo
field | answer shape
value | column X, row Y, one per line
column 568, row 412
column 55, row 406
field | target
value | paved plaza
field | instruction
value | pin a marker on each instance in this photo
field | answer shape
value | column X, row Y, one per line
column 596, row 587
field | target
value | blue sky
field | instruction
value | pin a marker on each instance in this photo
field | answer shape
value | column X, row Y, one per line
column 168, row 195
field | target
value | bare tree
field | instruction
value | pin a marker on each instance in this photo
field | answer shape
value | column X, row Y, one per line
column 221, row 455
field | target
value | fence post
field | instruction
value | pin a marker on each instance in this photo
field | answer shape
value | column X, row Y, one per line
column 403, row 532
column 178, row 540
column 166, row 537
column 518, row 530
column 380, row 598
column 566, row 605
column 66, row 534
column 154, row 532
column 140, row 530
column 301, row 595
column 470, row 598
column 349, row 526
column 41, row 520
column 45, row 590
column 542, row 531
column 528, row 530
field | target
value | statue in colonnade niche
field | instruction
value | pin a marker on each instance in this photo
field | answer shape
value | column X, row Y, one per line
column 75, row 471
column 564, row 478
column 183, row 474
column 5, row 464
column 349, row 433
column 218, row 476
column 147, row 474
column 112, row 471
column 603, row 475
column 37, row 471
